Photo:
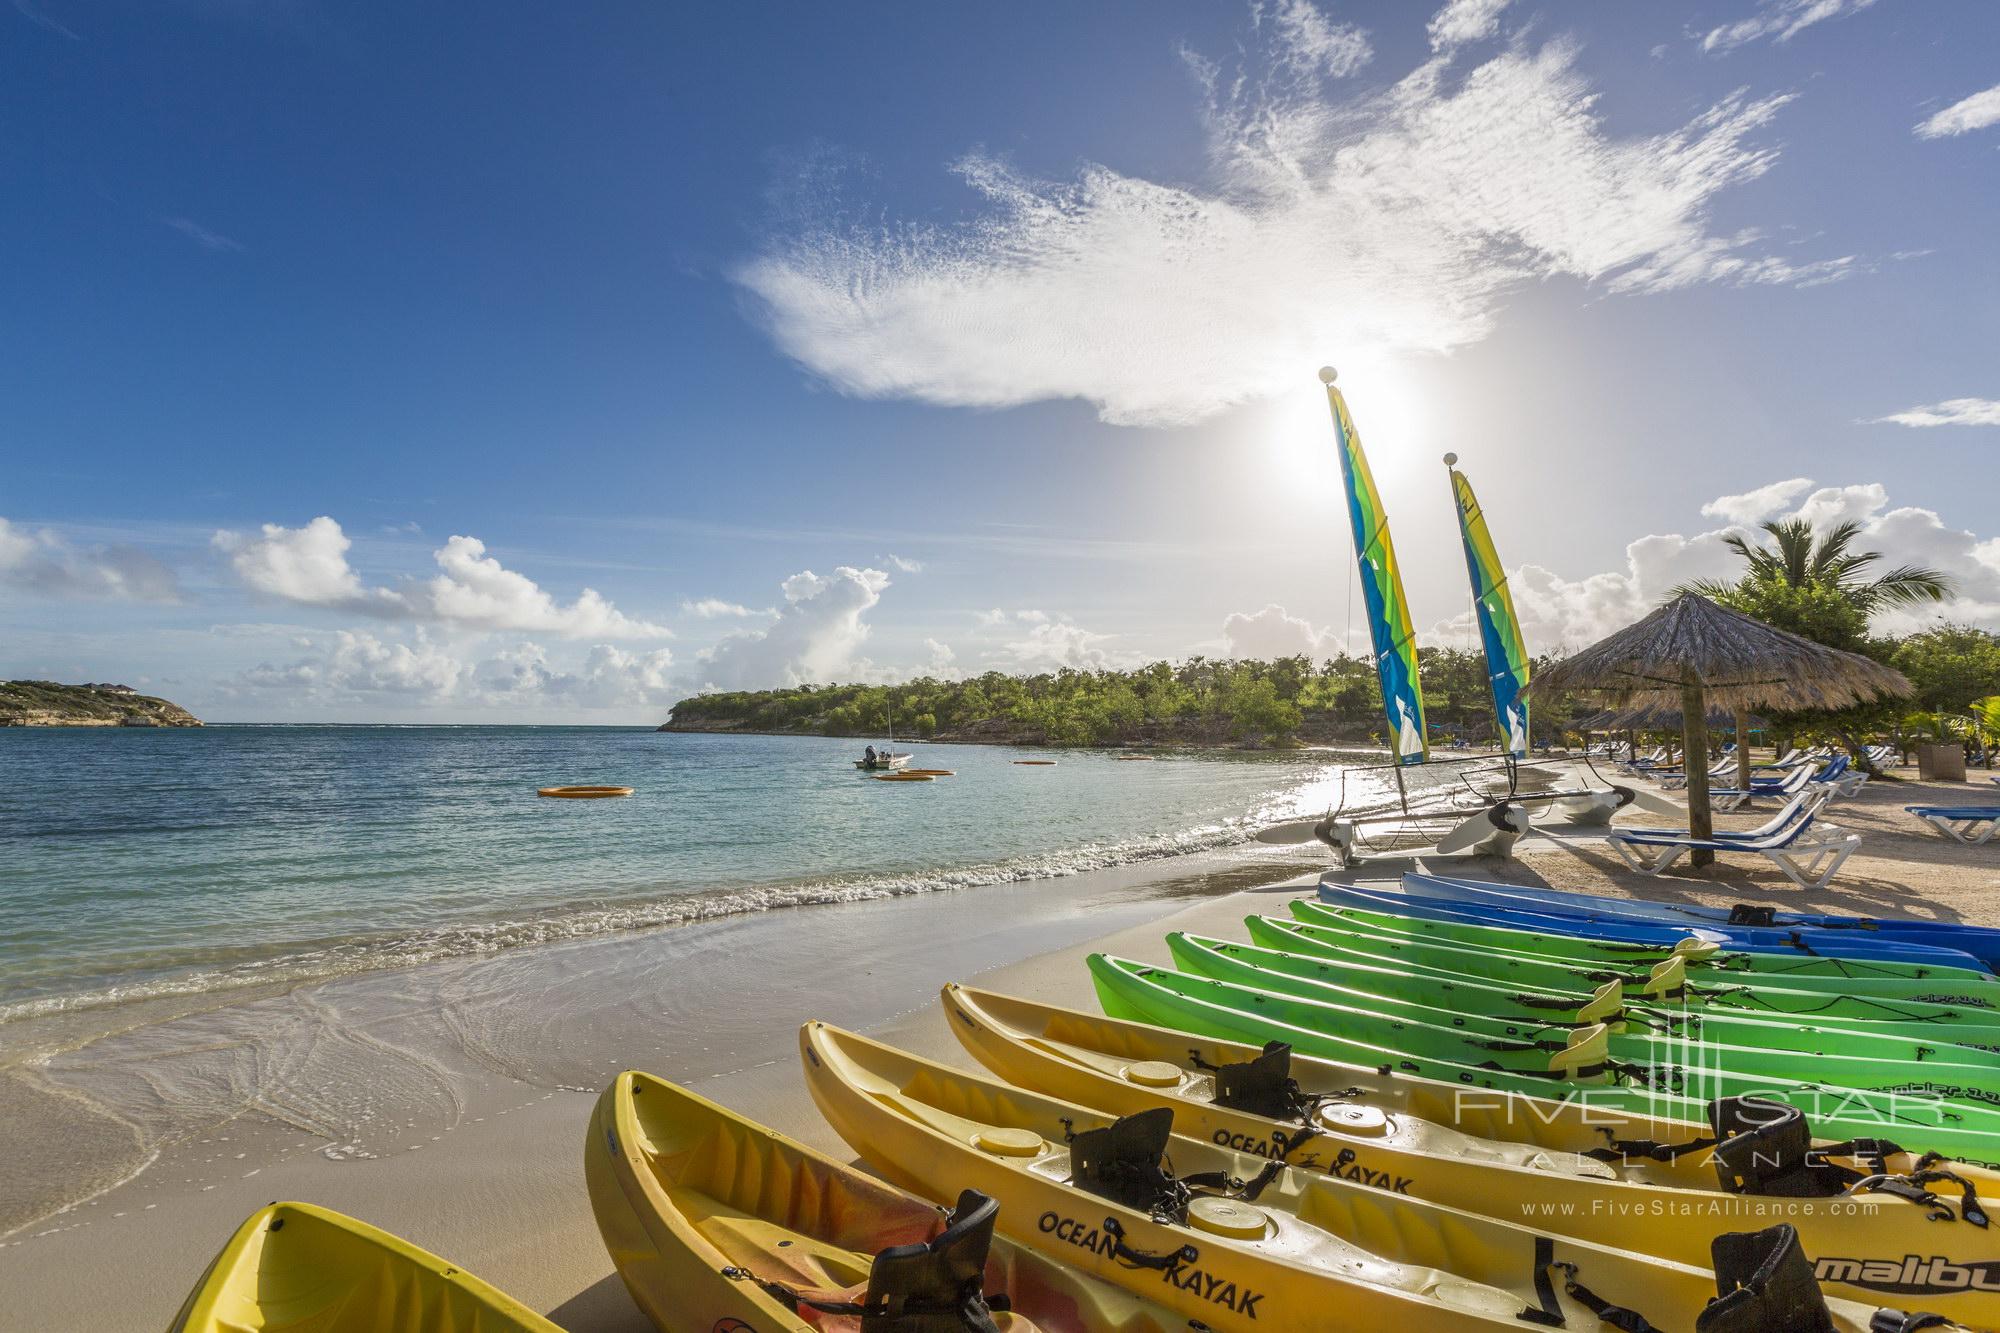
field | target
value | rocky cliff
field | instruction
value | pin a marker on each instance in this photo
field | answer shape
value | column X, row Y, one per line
column 43, row 703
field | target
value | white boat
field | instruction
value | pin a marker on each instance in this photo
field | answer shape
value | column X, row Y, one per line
column 883, row 759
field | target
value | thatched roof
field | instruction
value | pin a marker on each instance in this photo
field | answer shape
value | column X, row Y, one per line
column 1656, row 717
column 1739, row 662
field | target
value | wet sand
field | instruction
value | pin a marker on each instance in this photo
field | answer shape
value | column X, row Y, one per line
column 447, row 1102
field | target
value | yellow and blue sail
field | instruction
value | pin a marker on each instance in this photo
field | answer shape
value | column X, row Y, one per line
column 1499, row 630
column 1389, row 626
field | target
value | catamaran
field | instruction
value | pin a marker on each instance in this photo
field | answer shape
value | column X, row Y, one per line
column 1491, row 807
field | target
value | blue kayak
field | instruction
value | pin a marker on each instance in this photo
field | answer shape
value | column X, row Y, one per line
column 1982, row 942
column 1823, row 943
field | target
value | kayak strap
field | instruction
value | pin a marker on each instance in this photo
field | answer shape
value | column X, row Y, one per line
column 1895, row 1321
column 1764, row 1284
column 1264, row 1086
column 1912, row 1187
column 1547, row 1311
column 1126, row 1162
column 933, row 1286
column 1131, row 1258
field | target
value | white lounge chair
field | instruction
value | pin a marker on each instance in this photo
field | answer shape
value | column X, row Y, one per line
column 1969, row 824
column 1806, row 853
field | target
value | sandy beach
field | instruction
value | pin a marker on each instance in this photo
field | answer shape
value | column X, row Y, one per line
column 445, row 1102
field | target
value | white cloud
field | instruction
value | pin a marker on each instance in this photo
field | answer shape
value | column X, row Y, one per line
column 989, row 619
column 1310, row 43
column 1559, row 613
column 1398, row 221
column 42, row 562
column 942, row 662
column 1973, row 113
column 815, row 638
column 1950, row 412
column 359, row 663
column 1275, row 632
column 1462, row 21
column 905, row 565
column 1052, row 643
column 359, row 666
column 1842, row 504
column 1758, row 505
column 309, row 566
column 609, row 677
column 1782, row 19
column 202, row 236
column 714, row 608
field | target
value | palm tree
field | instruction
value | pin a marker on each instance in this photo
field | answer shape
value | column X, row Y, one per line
column 1801, row 558
column 1818, row 566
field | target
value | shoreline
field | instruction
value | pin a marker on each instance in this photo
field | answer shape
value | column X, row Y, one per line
column 476, row 1075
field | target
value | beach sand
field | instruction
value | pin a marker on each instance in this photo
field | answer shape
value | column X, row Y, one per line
column 446, row 1103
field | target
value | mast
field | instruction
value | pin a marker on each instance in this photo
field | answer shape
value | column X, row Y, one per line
column 1507, row 666
column 1389, row 627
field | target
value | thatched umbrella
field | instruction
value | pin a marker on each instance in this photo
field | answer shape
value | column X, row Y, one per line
column 1694, row 655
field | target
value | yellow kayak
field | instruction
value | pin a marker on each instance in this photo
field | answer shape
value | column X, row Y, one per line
column 1242, row 1243
column 293, row 1266
column 717, row 1223
column 1547, row 1160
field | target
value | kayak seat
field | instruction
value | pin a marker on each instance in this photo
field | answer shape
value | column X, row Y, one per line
column 936, row 1286
column 1765, row 1284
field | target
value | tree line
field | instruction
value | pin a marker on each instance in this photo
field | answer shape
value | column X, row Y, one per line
column 1288, row 701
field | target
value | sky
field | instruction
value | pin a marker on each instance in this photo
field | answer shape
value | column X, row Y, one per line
column 374, row 362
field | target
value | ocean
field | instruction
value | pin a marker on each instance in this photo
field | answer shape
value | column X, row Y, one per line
column 146, row 863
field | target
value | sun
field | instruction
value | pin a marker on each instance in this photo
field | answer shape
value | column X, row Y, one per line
column 1390, row 414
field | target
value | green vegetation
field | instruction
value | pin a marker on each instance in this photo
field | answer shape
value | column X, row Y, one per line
column 1811, row 583
column 43, row 703
column 1196, row 702
column 1817, row 585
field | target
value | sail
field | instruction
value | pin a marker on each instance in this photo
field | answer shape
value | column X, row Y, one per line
column 1382, row 588
column 1499, row 631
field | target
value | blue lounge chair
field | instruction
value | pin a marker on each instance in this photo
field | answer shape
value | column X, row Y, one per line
column 1808, row 856
column 1836, row 773
column 1969, row 824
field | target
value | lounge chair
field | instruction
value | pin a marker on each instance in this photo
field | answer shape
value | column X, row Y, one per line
column 1808, row 856
column 1730, row 798
column 1969, row 824
column 1722, row 768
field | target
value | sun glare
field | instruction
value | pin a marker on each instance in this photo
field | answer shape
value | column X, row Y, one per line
column 1390, row 414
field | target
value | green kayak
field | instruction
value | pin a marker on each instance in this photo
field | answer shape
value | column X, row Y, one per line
column 1786, row 1048
column 1607, row 953
column 1926, row 1117
column 1672, row 987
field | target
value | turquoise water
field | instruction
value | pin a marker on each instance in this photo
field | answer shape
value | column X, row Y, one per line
column 136, row 863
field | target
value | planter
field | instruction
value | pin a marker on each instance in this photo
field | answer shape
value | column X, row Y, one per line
column 1941, row 763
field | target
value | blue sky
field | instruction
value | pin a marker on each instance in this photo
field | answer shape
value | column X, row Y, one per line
column 367, row 362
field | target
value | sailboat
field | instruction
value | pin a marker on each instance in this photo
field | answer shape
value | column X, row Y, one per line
column 1507, row 666
column 1393, row 636
column 1476, row 817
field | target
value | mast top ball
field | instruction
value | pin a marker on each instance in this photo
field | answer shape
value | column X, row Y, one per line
column 1451, row 460
column 1327, row 374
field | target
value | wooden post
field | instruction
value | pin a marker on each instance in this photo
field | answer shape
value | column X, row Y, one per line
column 1694, row 762
column 1742, row 750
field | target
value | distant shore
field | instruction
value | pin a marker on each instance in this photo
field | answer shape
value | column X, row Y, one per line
column 45, row 703
column 1219, row 741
